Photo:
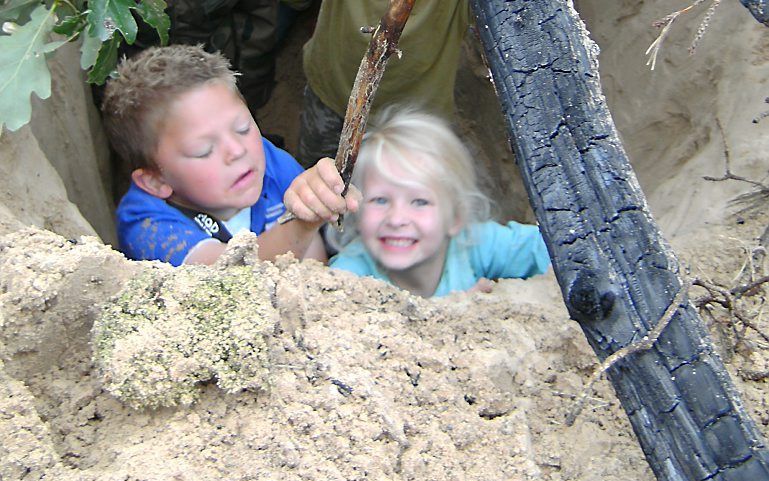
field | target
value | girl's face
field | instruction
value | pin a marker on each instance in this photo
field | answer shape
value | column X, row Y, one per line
column 404, row 227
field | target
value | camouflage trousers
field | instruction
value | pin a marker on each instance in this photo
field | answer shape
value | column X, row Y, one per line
column 243, row 30
column 319, row 130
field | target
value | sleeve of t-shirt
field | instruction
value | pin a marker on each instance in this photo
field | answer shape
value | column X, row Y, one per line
column 284, row 168
column 508, row 251
column 353, row 258
column 149, row 229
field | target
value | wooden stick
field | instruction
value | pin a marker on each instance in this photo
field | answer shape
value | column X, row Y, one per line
column 384, row 42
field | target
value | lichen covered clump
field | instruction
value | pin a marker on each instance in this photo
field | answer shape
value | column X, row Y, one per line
column 171, row 329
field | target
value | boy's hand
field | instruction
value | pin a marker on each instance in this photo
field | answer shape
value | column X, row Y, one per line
column 315, row 195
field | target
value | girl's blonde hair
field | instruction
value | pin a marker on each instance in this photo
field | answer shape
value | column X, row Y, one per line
column 430, row 153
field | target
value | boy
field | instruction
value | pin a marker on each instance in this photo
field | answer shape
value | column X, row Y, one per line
column 201, row 170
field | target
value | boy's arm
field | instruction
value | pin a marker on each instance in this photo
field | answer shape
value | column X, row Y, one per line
column 315, row 198
column 278, row 240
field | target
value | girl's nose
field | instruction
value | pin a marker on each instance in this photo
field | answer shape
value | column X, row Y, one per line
column 396, row 216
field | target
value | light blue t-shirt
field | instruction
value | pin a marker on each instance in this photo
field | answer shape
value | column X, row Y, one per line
column 148, row 228
column 487, row 249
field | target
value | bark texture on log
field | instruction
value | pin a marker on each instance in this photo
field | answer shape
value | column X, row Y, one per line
column 759, row 9
column 616, row 272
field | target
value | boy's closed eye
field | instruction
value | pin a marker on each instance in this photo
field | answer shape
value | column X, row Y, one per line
column 201, row 153
column 204, row 152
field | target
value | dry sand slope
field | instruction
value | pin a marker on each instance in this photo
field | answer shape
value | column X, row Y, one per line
column 361, row 379
column 324, row 376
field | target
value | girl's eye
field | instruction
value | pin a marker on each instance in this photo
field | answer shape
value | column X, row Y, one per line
column 420, row 202
column 378, row 200
column 244, row 130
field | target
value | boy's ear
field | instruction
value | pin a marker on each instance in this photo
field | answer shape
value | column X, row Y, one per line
column 151, row 181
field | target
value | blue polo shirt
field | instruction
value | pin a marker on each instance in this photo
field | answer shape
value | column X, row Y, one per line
column 148, row 228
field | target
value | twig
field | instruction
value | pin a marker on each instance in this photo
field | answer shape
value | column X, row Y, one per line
column 753, row 375
column 384, row 43
column 726, row 298
column 667, row 21
column 728, row 175
column 747, row 288
column 641, row 345
column 762, row 115
column 753, row 198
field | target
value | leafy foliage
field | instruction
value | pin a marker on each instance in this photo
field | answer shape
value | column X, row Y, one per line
column 32, row 29
column 23, row 69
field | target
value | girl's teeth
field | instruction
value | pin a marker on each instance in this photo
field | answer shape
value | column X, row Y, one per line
column 399, row 242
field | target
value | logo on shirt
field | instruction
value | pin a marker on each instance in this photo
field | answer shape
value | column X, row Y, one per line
column 275, row 210
column 207, row 223
column 272, row 213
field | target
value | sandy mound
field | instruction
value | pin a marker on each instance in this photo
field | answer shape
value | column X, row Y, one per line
column 362, row 379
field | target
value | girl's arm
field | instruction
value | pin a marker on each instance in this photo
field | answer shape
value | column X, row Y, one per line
column 508, row 251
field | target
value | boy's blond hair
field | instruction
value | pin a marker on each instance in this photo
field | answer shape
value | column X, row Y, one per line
column 137, row 102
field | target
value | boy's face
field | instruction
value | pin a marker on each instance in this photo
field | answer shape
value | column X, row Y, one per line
column 210, row 152
column 403, row 226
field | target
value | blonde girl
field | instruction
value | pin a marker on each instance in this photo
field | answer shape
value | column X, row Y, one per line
column 423, row 221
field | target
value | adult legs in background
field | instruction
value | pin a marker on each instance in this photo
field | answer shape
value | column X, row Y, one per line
column 319, row 130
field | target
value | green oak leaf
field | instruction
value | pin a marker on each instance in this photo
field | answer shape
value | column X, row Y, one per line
column 71, row 24
column 106, row 61
column 106, row 16
column 17, row 10
column 89, row 50
column 23, row 69
column 153, row 14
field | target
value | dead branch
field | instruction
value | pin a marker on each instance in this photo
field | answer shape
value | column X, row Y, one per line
column 641, row 345
column 384, row 43
column 728, row 300
column 666, row 22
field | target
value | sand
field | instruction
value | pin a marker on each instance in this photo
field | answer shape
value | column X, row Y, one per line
column 327, row 376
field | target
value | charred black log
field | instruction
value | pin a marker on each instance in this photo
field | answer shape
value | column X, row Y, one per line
column 759, row 9
column 616, row 272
